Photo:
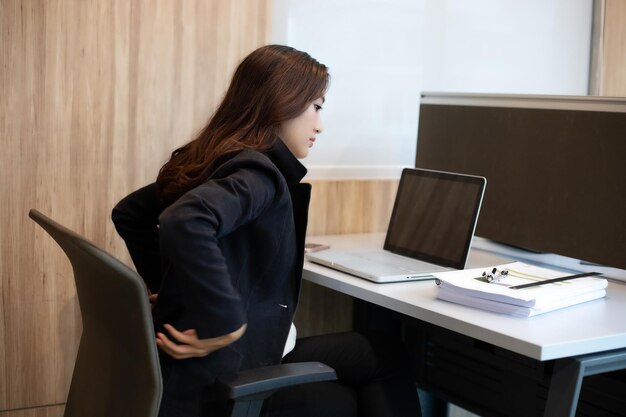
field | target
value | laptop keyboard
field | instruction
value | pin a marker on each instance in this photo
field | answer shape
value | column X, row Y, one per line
column 396, row 261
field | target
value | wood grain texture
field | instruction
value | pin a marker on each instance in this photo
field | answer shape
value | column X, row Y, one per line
column 613, row 56
column 350, row 206
column 47, row 411
column 94, row 97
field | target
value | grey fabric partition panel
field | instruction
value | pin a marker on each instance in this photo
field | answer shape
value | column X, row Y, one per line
column 555, row 168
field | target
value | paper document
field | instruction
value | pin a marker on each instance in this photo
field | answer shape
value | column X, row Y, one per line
column 469, row 287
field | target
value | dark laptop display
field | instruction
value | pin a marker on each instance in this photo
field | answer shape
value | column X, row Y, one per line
column 434, row 216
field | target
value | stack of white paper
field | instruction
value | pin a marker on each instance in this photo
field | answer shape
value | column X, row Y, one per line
column 469, row 287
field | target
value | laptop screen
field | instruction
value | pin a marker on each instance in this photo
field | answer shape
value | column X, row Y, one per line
column 434, row 216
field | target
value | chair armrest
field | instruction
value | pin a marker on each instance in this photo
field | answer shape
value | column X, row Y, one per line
column 260, row 383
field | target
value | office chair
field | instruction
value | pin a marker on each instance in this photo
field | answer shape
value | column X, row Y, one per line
column 117, row 369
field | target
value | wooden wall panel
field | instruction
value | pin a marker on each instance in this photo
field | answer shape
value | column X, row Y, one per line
column 613, row 56
column 94, row 96
column 350, row 206
column 51, row 411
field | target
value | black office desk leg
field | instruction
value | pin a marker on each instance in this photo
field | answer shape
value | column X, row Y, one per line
column 568, row 375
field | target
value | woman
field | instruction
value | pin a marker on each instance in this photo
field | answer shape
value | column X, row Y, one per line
column 220, row 236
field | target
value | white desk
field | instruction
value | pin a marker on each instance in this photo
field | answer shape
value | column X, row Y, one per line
column 585, row 329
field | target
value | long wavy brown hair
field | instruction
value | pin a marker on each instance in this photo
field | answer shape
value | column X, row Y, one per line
column 273, row 84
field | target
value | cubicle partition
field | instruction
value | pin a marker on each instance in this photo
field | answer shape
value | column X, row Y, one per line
column 556, row 173
column 555, row 168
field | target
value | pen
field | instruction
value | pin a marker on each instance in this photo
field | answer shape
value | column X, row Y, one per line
column 550, row 281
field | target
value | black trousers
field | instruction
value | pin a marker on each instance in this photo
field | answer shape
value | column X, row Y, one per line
column 373, row 380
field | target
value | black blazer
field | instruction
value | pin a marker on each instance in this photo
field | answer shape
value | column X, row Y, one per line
column 228, row 252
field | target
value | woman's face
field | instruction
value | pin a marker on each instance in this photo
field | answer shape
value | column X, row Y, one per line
column 299, row 133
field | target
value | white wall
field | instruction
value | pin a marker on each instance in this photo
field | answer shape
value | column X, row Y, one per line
column 383, row 53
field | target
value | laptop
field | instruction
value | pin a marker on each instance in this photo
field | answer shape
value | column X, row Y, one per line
column 431, row 228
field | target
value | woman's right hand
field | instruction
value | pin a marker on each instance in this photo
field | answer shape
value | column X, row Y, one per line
column 190, row 346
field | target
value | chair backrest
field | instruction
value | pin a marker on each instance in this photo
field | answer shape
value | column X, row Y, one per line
column 117, row 368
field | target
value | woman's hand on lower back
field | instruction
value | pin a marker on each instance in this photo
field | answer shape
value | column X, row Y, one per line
column 189, row 346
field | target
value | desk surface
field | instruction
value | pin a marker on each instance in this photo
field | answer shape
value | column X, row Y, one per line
column 590, row 327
